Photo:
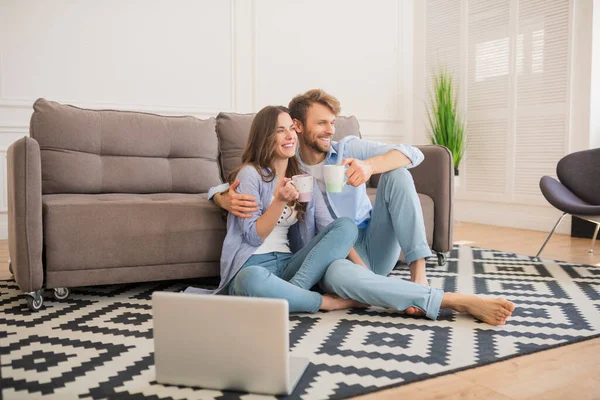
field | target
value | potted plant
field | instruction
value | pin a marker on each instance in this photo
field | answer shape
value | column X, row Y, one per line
column 446, row 125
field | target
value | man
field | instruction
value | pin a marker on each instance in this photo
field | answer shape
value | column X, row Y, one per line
column 395, row 223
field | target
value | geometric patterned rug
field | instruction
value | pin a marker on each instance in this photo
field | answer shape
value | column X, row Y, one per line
column 98, row 344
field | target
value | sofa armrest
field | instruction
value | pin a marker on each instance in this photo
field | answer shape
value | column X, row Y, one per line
column 434, row 177
column 25, row 234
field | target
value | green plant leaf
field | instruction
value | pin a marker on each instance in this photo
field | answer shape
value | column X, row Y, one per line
column 446, row 125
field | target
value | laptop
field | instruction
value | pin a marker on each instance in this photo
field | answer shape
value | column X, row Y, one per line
column 224, row 343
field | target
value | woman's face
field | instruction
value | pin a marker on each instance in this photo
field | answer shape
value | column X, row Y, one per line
column 285, row 137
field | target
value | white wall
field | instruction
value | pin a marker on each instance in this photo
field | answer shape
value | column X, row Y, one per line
column 198, row 57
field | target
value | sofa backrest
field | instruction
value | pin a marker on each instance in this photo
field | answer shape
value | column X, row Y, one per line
column 233, row 130
column 91, row 151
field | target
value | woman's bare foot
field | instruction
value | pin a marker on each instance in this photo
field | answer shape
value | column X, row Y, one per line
column 331, row 302
column 491, row 311
column 414, row 311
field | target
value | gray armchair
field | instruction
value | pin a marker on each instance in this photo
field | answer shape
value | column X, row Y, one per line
column 577, row 191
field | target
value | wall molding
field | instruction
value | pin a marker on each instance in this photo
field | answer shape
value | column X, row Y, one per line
column 13, row 128
column 388, row 120
column 389, row 139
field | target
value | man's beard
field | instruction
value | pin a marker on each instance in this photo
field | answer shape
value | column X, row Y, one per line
column 314, row 144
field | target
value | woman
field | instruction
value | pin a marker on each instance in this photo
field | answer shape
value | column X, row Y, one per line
column 257, row 260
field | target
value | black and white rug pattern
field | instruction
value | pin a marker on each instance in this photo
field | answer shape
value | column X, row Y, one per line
column 98, row 343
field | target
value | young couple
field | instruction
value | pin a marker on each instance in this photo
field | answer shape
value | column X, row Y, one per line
column 278, row 247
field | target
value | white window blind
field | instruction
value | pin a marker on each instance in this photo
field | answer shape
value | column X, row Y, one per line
column 541, row 91
column 442, row 38
column 514, row 69
column 488, row 89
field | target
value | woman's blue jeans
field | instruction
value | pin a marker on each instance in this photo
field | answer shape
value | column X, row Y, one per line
column 290, row 276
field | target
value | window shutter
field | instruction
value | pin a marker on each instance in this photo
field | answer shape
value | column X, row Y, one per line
column 488, row 98
column 541, row 91
column 516, row 72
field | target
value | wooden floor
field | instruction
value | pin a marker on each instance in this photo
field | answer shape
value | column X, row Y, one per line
column 569, row 372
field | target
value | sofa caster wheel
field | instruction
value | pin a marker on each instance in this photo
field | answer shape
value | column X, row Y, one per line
column 61, row 293
column 10, row 269
column 35, row 300
column 442, row 259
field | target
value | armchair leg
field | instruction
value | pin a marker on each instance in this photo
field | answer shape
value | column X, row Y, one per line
column 594, row 237
column 537, row 256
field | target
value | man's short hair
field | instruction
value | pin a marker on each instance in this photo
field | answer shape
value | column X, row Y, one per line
column 302, row 102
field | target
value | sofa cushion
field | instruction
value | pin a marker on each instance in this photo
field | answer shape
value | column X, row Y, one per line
column 426, row 205
column 346, row 126
column 233, row 130
column 90, row 151
column 123, row 230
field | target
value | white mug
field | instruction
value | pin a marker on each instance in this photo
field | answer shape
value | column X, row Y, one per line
column 304, row 185
column 335, row 177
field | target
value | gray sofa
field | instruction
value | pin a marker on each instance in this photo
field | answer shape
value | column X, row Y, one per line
column 106, row 197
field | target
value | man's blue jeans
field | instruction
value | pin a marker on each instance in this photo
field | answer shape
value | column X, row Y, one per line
column 396, row 223
column 290, row 276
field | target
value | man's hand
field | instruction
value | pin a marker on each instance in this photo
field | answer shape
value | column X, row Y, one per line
column 359, row 171
column 237, row 204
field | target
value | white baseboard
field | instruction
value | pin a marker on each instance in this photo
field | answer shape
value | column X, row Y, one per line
column 537, row 218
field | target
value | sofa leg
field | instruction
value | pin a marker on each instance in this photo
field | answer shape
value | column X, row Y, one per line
column 35, row 300
column 442, row 259
column 61, row 293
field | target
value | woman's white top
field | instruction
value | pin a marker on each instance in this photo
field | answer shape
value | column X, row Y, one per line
column 278, row 241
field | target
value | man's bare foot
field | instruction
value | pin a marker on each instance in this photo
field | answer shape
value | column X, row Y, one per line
column 491, row 311
column 331, row 302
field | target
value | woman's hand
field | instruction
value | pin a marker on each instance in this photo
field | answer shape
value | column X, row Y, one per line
column 285, row 191
column 283, row 194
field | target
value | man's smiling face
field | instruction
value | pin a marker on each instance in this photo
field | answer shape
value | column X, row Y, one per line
column 319, row 128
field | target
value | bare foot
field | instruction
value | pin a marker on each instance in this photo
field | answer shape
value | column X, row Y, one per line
column 415, row 312
column 491, row 311
column 331, row 302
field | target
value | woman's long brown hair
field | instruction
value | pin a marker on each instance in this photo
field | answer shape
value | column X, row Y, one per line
column 260, row 150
